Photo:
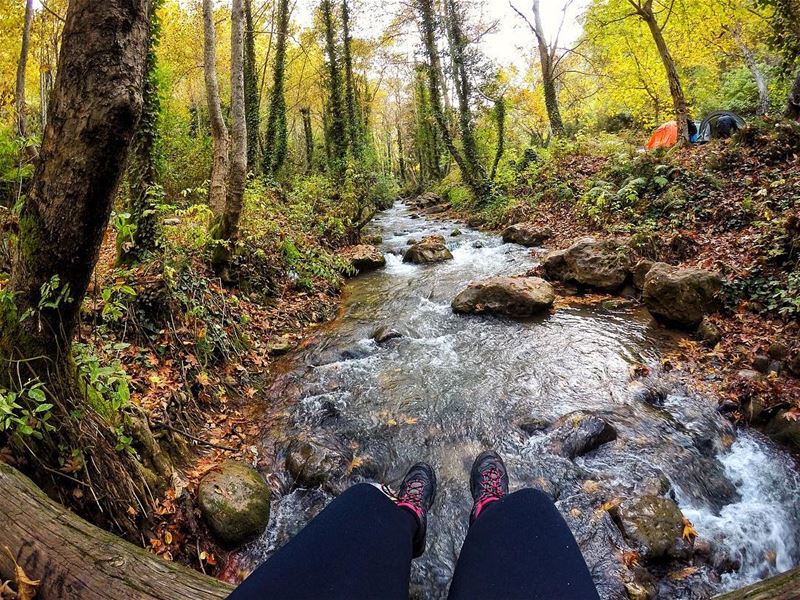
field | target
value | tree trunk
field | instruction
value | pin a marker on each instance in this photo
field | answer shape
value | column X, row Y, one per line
column 19, row 95
column 548, row 75
column 276, row 143
column 226, row 229
column 308, row 135
column 793, row 108
column 337, row 133
column 251, row 95
column 785, row 586
column 75, row 560
column 500, row 118
column 679, row 103
column 401, row 154
column 758, row 75
column 471, row 175
column 145, row 193
column 94, row 111
column 353, row 124
column 217, row 192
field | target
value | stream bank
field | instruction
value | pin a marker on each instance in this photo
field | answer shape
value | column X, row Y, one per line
column 443, row 387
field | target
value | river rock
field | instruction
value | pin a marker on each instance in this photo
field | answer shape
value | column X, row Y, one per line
column 709, row 333
column 235, row 502
column 761, row 363
column 640, row 272
column 681, row 297
column 527, row 234
column 603, row 264
column 778, row 350
column 654, row 525
column 431, row 249
column 509, row 296
column 314, row 460
column 579, row 433
column 783, row 428
column 364, row 257
column 793, row 363
column 456, row 233
column 385, row 334
column 426, row 200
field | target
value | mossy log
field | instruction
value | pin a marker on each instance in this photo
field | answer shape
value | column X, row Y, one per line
column 76, row 560
column 781, row 587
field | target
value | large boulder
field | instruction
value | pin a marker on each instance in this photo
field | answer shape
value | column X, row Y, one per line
column 364, row 257
column 527, row 234
column 431, row 249
column 655, row 526
column 598, row 264
column 313, row 461
column 579, row 433
column 681, row 297
column 510, row 296
column 234, row 501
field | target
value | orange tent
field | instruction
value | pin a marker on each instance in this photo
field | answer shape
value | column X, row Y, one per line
column 665, row 136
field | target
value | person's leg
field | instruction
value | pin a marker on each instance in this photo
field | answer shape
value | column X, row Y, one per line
column 520, row 547
column 360, row 546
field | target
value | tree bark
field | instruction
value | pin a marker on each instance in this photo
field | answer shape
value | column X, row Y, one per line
column 75, row 560
column 251, row 95
column 500, row 120
column 758, row 75
column 337, row 130
column 19, row 95
column 94, row 111
column 353, row 119
column 547, row 59
column 276, row 143
column 219, row 131
column 308, row 135
column 793, row 108
column 680, row 106
column 226, row 229
column 785, row 586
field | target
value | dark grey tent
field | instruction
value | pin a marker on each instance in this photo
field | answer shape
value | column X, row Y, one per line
column 719, row 124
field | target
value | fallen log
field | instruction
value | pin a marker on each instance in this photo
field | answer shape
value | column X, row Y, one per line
column 74, row 560
column 785, row 586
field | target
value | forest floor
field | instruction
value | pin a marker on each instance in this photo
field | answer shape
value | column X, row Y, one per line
column 728, row 206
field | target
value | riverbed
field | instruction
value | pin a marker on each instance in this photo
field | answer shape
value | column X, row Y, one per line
column 445, row 387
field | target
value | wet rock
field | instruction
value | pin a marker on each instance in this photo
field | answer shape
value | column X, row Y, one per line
column 533, row 426
column 476, row 221
column 640, row 272
column 527, row 234
column 412, row 241
column 509, row 296
column 456, row 233
column 709, row 333
column 603, row 264
column 364, row 258
column 681, row 297
column 234, row 501
column 793, row 364
column 761, row 363
column 654, row 525
column 654, row 392
column 314, row 460
column 782, row 428
column 728, row 406
column 280, row 345
column 579, row 433
column 477, row 244
column 778, row 351
column 426, row 200
column 385, row 334
column 431, row 249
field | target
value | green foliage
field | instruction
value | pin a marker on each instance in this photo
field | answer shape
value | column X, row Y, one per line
column 25, row 412
column 14, row 172
column 770, row 294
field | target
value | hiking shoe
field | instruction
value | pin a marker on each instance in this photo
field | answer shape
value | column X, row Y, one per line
column 416, row 495
column 488, row 482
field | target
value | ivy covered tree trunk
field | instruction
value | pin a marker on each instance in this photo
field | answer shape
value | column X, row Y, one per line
column 217, row 192
column 308, row 136
column 472, row 170
column 96, row 104
column 681, row 108
column 353, row 116
column 401, row 158
column 500, row 120
column 793, row 108
column 276, row 141
column 145, row 192
column 251, row 94
column 19, row 94
column 337, row 126
column 547, row 58
column 225, row 230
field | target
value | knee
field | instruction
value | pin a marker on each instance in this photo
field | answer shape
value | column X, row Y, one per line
column 535, row 498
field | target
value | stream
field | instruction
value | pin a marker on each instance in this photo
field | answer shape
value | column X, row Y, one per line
column 452, row 386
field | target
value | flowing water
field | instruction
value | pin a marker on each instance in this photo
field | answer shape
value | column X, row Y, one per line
column 452, row 386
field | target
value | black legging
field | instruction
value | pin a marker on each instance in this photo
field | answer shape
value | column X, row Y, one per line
column 359, row 547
